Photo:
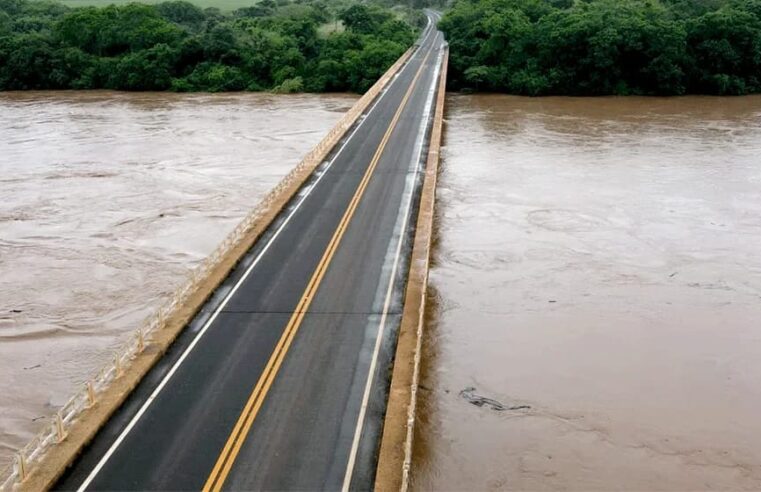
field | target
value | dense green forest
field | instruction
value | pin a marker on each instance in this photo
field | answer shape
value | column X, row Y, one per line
column 533, row 47
column 305, row 45
column 596, row 47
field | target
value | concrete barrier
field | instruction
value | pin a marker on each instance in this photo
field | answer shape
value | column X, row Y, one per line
column 42, row 461
column 395, row 456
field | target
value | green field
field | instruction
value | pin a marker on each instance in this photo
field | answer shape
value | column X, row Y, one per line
column 224, row 5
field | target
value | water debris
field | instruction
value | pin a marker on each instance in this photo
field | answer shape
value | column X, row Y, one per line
column 32, row 367
column 469, row 394
column 673, row 275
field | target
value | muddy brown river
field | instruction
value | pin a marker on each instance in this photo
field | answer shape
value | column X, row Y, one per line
column 597, row 273
column 107, row 200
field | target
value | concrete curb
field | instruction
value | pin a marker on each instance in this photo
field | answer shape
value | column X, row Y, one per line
column 44, row 473
column 395, row 456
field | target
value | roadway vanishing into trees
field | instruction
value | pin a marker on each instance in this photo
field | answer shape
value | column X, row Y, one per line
column 281, row 381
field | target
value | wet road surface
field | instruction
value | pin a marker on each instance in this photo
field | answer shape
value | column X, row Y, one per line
column 281, row 384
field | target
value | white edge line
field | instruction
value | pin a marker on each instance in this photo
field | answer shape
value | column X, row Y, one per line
column 222, row 305
column 389, row 292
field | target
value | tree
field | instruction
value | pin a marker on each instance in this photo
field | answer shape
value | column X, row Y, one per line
column 149, row 69
column 5, row 23
column 25, row 62
column 359, row 18
column 212, row 77
column 183, row 13
column 725, row 48
column 175, row 45
column 115, row 30
column 595, row 47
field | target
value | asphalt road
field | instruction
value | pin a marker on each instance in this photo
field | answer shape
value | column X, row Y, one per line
column 281, row 381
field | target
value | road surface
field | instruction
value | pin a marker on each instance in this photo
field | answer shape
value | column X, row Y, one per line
column 281, row 381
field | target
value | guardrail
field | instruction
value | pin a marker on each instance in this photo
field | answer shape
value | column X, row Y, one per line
column 57, row 428
column 395, row 452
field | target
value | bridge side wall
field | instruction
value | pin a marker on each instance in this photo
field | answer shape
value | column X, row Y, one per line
column 395, row 456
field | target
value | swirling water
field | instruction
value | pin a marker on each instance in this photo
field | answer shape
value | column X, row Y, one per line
column 107, row 200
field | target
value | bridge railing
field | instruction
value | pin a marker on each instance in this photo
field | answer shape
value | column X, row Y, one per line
column 57, row 428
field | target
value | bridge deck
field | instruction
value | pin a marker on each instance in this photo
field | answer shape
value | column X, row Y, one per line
column 280, row 382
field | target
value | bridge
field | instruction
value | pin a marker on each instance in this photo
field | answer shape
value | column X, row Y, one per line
column 281, row 380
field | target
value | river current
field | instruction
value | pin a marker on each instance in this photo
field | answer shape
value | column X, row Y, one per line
column 596, row 289
column 107, row 200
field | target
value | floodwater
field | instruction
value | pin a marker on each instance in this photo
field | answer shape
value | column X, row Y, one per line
column 107, row 200
column 597, row 272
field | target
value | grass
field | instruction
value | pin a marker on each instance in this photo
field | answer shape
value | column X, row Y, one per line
column 224, row 5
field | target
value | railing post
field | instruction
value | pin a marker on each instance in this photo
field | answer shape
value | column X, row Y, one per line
column 140, row 341
column 21, row 466
column 90, row 394
column 117, row 366
column 59, row 430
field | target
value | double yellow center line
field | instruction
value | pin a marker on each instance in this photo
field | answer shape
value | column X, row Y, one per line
column 238, row 435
